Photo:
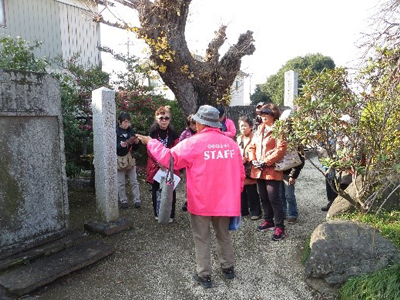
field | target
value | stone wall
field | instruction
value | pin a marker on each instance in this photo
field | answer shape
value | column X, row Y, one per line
column 235, row 112
column 33, row 189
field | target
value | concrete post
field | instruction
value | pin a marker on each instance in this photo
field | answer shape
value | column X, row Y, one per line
column 105, row 156
column 291, row 88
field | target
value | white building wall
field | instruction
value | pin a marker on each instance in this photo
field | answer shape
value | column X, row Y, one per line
column 58, row 24
column 79, row 35
column 240, row 90
column 34, row 20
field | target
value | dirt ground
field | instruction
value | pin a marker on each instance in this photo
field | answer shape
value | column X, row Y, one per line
column 153, row 261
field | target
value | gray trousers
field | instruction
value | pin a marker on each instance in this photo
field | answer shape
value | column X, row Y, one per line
column 134, row 184
column 202, row 242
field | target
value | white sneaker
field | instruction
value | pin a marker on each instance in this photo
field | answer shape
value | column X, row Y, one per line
column 171, row 220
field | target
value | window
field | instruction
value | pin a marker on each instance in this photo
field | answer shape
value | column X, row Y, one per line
column 2, row 14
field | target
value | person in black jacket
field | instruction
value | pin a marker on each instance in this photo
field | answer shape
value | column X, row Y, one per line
column 127, row 142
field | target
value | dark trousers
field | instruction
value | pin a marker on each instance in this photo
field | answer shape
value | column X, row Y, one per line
column 272, row 205
column 155, row 186
column 250, row 200
column 330, row 192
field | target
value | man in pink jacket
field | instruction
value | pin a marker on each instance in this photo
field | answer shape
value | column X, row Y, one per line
column 215, row 177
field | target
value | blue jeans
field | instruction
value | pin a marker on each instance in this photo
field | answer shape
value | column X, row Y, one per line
column 288, row 198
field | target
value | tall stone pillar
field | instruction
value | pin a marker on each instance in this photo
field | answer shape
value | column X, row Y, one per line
column 291, row 88
column 105, row 156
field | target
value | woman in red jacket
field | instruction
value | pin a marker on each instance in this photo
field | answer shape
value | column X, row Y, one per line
column 265, row 151
column 162, row 131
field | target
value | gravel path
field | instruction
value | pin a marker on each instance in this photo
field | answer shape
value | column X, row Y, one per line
column 153, row 261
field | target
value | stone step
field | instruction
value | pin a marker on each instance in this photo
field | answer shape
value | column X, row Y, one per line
column 68, row 239
column 27, row 278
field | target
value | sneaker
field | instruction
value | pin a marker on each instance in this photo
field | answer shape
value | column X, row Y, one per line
column 171, row 220
column 124, row 205
column 279, row 234
column 255, row 218
column 156, row 218
column 205, row 281
column 265, row 226
column 184, row 206
column 137, row 204
column 292, row 220
column 229, row 273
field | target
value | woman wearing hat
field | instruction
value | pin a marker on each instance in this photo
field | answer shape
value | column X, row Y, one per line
column 212, row 198
column 265, row 151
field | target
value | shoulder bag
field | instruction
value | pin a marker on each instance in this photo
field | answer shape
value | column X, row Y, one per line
column 290, row 160
column 126, row 162
column 167, row 189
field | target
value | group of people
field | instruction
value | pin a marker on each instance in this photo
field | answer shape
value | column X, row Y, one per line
column 224, row 177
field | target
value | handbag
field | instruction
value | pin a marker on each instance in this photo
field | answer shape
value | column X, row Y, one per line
column 126, row 162
column 290, row 160
column 167, row 190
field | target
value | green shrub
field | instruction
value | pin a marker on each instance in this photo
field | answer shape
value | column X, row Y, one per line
column 18, row 54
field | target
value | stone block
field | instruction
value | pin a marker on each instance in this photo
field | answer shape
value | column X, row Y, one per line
column 41, row 272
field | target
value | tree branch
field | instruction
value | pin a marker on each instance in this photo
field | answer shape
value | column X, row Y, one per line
column 212, row 54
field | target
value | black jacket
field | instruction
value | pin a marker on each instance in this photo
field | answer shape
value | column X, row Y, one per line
column 122, row 136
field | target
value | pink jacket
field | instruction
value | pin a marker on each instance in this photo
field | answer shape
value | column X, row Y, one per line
column 214, row 171
column 230, row 128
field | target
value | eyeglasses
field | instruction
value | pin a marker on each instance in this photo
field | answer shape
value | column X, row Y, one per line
column 163, row 118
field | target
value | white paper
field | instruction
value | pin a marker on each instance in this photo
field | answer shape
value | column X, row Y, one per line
column 160, row 173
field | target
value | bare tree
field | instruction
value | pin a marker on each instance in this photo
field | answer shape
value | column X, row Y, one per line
column 162, row 26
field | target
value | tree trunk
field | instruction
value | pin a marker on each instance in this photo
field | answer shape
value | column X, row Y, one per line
column 194, row 81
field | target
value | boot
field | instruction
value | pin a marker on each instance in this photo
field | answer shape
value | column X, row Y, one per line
column 326, row 208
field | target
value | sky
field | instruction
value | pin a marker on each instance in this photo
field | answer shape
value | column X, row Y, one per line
column 282, row 30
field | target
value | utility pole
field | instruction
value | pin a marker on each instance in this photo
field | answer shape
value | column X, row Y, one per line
column 128, row 44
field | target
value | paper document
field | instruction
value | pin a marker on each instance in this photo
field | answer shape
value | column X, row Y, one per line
column 160, row 173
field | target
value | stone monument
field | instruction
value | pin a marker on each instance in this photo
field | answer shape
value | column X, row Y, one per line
column 33, row 185
column 291, row 88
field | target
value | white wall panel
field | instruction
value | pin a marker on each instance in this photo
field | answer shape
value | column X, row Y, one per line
column 64, row 29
